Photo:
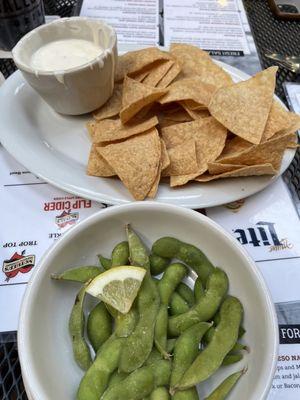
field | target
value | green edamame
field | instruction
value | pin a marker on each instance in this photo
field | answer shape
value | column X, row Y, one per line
column 236, row 348
column 211, row 358
column 186, row 350
column 78, row 274
column 170, row 345
column 125, row 323
column 204, row 310
column 95, row 381
column 178, row 305
column 198, row 290
column 188, row 394
column 117, row 377
column 232, row 359
column 166, row 286
column 120, row 254
column 170, row 247
column 81, row 350
column 160, row 393
column 153, row 357
column 221, row 392
column 138, row 254
column 99, row 326
column 158, row 264
column 186, row 293
column 105, row 262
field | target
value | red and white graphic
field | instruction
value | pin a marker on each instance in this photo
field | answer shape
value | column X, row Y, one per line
column 18, row 263
column 66, row 218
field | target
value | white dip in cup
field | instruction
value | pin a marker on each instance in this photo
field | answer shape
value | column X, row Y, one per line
column 70, row 62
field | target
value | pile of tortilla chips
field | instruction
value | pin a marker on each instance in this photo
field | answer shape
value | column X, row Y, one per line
column 178, row 116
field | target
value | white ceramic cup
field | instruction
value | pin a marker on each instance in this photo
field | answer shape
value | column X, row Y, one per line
column 78, row 90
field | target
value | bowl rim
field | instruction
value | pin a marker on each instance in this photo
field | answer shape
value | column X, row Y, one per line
column 23, row 328
column 26, row 68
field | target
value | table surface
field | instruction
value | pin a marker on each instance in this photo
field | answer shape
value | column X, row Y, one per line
column 269, row 33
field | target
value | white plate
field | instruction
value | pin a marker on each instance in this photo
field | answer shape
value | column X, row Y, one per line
column 56, row 148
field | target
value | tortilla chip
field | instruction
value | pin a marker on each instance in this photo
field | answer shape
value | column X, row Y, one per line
column 195, row 61
column 292, row 128
column 156, row 74
column 97, row 166
column 189, row 89
column 110, row 130
column 196, row 114
column 91, row 127
column 192, row 105
column 260, row 169
column 270, row 152
column 173, row 72
column 215, row 168
column 135, row 161
column 278, row 119
column 183, row 159
column 112, row 107
column 136, row 96
column 244, row 107
column 234, row 145
column 136, row 61
column 165, row 159
column 179, row 116
column 140, row 76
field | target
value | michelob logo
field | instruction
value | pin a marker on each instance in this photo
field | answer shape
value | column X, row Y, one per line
column 17, row 263
column 66, row 218
column 264, row 234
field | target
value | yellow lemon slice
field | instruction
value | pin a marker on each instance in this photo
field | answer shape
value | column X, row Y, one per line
column 118, row 286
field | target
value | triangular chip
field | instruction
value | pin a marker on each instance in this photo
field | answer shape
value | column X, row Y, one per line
column 189, row 89
column 215, row 168
column 163, row 164
column 173, row 72
column 97, row 166
column 196, row 62
column 279, row 118
column 136, row 61
column 260, row 169
column 270, row 152
column 158, row 72
column 112, row 107
column 234, row 145
column 110, row 130
column 183, row 159
column 140, row 76
column 195, row 114
column 165, row 159
column 244, row 107
column 136, row 96
column 135, row 161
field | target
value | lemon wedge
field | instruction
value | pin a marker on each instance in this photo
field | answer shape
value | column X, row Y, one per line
column 118, row 286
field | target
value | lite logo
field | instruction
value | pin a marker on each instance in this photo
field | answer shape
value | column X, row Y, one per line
column 263, row 234
column 18, row 263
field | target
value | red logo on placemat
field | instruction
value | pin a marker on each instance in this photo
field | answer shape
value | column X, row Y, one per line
column 66, row 218
column 17, row 263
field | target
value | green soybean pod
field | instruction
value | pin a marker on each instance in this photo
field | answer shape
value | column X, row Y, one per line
column 170, row 345
column 105, row 262
column 95, row 381
column 99, row 326
column 125, row 323
column 204, row 310
column 78, row 274
column 221, row 392
column 236, row 348
column 117, row 377
column 158, row 264
column 232, row 359
column 138, row 254
column 81, row 350
column 162, row 372
column 160, row 331
column 170, row 247
column 242, row 332
column 178, row 305
column 153, row 357
column 186, row 293
column 198, row 290
column 120, row 254
column 211, row 358
column 188, row 394
column 186, row 350
column 160, row 393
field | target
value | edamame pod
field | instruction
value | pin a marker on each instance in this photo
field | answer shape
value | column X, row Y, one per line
column 160, row 331
column 211, row 358
column 178, row 305
column 188, row 394
column 78, row 274
column 138, row 253
column 125, row 323
column 170, row 345
column 153, row 357
column 186, row 293
column 158, row 264
column 95, row 380
column 117, row 377
column 105, row 262
column 198, row 290
column 99, row 326
column 81, row 350
column 186, row 350
column 217, row 287
column 120, row 254
column 170, row 247
column 221, row 392
column 160, row 393
column 232, row 359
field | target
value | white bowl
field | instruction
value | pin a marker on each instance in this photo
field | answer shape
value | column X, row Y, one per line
column 48, row 368
column 77, row 90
